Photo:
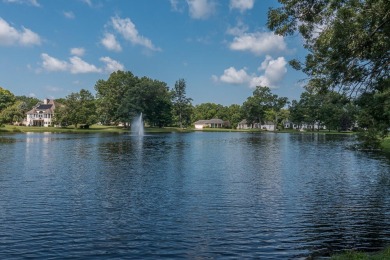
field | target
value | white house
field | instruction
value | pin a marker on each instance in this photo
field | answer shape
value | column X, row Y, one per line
column 42, row 114
column 269, row 126
column 212, row 123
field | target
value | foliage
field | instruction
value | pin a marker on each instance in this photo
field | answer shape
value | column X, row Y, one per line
column 181, row 103
column 348, row 41
column 353, row 255
column 14, row 113
column 154, row 101
column 123, row 96
column 113, row 98
column 329, row 108
column 78, row 108
column 349, row 47
column 6, row 98
column 206, row 111
column 263, row 105
column 29, row 102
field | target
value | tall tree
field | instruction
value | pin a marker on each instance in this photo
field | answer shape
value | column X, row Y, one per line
column 113, row 97
column 78, row 108
column 348, row 43
column 181, row 102
column 6, row 98
column 153, row 99
column 263, row 105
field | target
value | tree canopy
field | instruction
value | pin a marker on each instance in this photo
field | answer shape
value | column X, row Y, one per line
column 348, row 41
column 348, row 45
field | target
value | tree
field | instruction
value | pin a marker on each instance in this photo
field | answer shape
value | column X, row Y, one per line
column 78, row 108
column 153, row 99
column 29, row 102
column 263, row 105
column 207, row 111
column 181, row 103
column 348, row 44
column 124, row 96
column 6, row 98
column 13, row 113
column 234, row 115
column 115, row 97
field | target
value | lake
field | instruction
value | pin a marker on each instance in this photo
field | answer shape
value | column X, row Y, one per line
column 190, row 195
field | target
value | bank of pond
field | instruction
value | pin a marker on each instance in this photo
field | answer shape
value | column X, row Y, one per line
column 119, row 129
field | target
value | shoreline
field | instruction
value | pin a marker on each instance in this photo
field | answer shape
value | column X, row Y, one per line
column 117, row 129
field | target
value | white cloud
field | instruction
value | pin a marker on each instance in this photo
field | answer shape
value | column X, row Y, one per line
column 10, row 36
column 273, row 73
column 176, row 6
column 238, row 30
column 53, row 89
column 69, row 15
column 88, row 2
column 77, row 51
column 28, row 2
column 111, row 65
column 233, row 76
column 52, row 64
column 126, row 28
column 109, row 41
column 241, row 5
column 76, row 65
column 258, row 43
column 201, row 9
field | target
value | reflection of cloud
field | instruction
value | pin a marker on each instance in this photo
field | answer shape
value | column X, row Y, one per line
column 10, row 36
column 274, row 71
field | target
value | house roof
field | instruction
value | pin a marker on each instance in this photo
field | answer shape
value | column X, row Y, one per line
column 211, row 121
column 44, row 106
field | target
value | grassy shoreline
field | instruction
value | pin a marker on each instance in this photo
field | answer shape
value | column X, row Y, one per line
column 116, row 129
column 356, row 255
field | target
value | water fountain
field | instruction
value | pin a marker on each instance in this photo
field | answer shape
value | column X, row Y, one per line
column 137, row 126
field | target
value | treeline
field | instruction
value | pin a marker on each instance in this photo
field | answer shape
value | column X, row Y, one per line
column 123, row 96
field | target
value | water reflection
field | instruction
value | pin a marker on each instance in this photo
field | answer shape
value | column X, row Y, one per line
column 196, row 195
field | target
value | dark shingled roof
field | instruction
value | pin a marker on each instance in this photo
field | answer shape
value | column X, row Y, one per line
column 44, row 106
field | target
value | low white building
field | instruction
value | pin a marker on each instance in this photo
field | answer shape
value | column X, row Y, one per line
column 42, row 114
column 269, row 126
column 212, row 123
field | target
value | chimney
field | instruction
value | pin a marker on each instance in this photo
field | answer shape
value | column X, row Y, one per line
column 46, row 101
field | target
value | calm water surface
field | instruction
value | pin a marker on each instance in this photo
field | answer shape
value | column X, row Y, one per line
column 195, row 195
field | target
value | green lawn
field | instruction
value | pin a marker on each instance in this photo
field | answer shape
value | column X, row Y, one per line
column 351, row 255
column 70, row 129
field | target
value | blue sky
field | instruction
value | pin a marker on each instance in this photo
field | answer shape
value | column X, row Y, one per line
column 222, row 49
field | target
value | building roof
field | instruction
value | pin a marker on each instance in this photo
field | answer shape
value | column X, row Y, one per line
column 47, row 107
column 211, row 121
column 44, row 106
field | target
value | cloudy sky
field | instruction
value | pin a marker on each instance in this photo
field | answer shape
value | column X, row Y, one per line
column 49, row 49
